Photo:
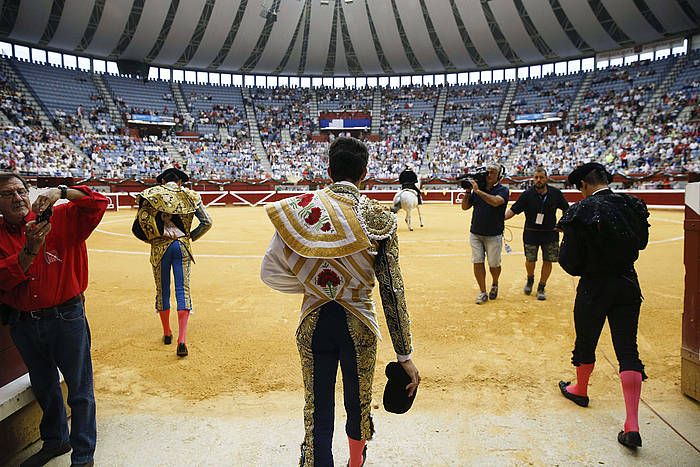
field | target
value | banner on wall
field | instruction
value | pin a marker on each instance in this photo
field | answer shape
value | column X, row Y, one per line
column 345, row 124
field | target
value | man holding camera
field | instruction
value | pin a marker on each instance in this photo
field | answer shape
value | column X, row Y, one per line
column 539, row 203
column 489, row 199
column 43, row 274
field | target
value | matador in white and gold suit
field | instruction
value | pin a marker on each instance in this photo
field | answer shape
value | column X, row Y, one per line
column 329, row 245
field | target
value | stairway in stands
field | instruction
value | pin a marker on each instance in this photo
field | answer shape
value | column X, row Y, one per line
column 436, row 130
column 580, row 95
column 108, row 100
column 505, row 109
column 173, row 153
column 286, row 135
column 253, row 129
column 87, row 126
column 313, row 116
column 224, row 135
column 376, row 110
column 37, row 107
column 181, row 103
column 4, row 121
column 18, row 80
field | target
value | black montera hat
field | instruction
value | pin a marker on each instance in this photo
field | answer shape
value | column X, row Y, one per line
column 182, row 176
column 580, row 173
column 396, row 399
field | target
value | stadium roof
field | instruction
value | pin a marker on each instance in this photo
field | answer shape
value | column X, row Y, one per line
column 343, row 37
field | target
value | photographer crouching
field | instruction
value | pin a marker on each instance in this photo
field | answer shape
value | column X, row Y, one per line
column 43, row 274
column 489, row 199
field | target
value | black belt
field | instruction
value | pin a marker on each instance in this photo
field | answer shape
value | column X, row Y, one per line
column 51, row 312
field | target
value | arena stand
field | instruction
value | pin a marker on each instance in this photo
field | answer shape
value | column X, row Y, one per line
column 278, row 108
column 667, row 142
column 407, row 114
column 473, row 107
column 66, row 94
column 214, row 107
column 334, row 99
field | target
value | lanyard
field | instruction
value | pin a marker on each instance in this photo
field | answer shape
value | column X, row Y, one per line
column 544, row 200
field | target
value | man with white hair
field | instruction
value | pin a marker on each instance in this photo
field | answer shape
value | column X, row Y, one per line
column 486, row 232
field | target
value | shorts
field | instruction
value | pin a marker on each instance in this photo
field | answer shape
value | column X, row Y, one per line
column 550, row 252
column 486, row 246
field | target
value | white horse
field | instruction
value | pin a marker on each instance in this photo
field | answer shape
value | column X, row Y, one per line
column 407, row 200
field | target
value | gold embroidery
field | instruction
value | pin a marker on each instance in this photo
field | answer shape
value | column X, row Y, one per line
column 320, row 245
column 186, row 264
column 377, row 221
column 171, row 200
column 391, row 290
column 159, row 291
column 366, row 355
column 305, row 334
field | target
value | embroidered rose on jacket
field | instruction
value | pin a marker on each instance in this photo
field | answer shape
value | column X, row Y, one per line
column 329, row 280
column 314, row 216
column 326, row 227
column 305, row 199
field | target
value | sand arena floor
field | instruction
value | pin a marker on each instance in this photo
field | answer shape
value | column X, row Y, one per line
column 489, row 394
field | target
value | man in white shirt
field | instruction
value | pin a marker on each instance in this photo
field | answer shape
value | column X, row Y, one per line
column 329, row 245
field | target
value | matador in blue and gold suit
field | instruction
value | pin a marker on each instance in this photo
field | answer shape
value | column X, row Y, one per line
column 164, row 220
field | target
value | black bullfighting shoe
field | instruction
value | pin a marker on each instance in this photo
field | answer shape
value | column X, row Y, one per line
column 630, row 439
column 167, row 340
column 576, row 399
column 182, row 350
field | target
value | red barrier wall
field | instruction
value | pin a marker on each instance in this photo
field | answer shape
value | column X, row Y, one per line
column 249, row 197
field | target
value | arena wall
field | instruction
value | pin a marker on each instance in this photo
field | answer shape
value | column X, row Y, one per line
column 121, row 200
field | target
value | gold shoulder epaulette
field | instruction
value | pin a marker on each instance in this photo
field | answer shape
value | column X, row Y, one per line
column 168, row 200
column 194, row 196
column 377, row 221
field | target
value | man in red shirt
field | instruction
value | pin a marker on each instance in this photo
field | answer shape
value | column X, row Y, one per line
column 43, row 274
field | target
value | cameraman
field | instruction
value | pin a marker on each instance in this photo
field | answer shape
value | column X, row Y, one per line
column 486, row 233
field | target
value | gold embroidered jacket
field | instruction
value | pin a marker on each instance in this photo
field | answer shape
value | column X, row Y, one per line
column 330, row 245
column 183, row 204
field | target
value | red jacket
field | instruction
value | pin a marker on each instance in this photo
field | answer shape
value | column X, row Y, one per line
column 60, row 270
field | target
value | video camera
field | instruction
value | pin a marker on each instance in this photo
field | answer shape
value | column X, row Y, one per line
column 479, row 175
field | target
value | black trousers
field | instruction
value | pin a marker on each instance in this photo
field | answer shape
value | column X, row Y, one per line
column 328, row 336
column 617, row 299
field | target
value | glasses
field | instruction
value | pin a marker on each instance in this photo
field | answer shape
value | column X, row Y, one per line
column 12, row 193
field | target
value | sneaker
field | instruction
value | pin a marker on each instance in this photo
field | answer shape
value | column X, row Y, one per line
column 494, row 292
column 482, row 298
column 540, row 293
column 528, row 285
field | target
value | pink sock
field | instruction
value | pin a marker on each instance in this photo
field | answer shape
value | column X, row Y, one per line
column 182, row 316
column 583, row 372
column 632, row 390
column 356, row 448
column 165, row 321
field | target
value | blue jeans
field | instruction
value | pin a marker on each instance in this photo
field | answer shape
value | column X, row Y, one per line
column 61, row 342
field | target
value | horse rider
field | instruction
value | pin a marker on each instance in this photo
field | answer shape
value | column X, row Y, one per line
column 408, row 180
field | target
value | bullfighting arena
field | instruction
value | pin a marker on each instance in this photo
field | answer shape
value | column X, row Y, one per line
column 489, row 393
